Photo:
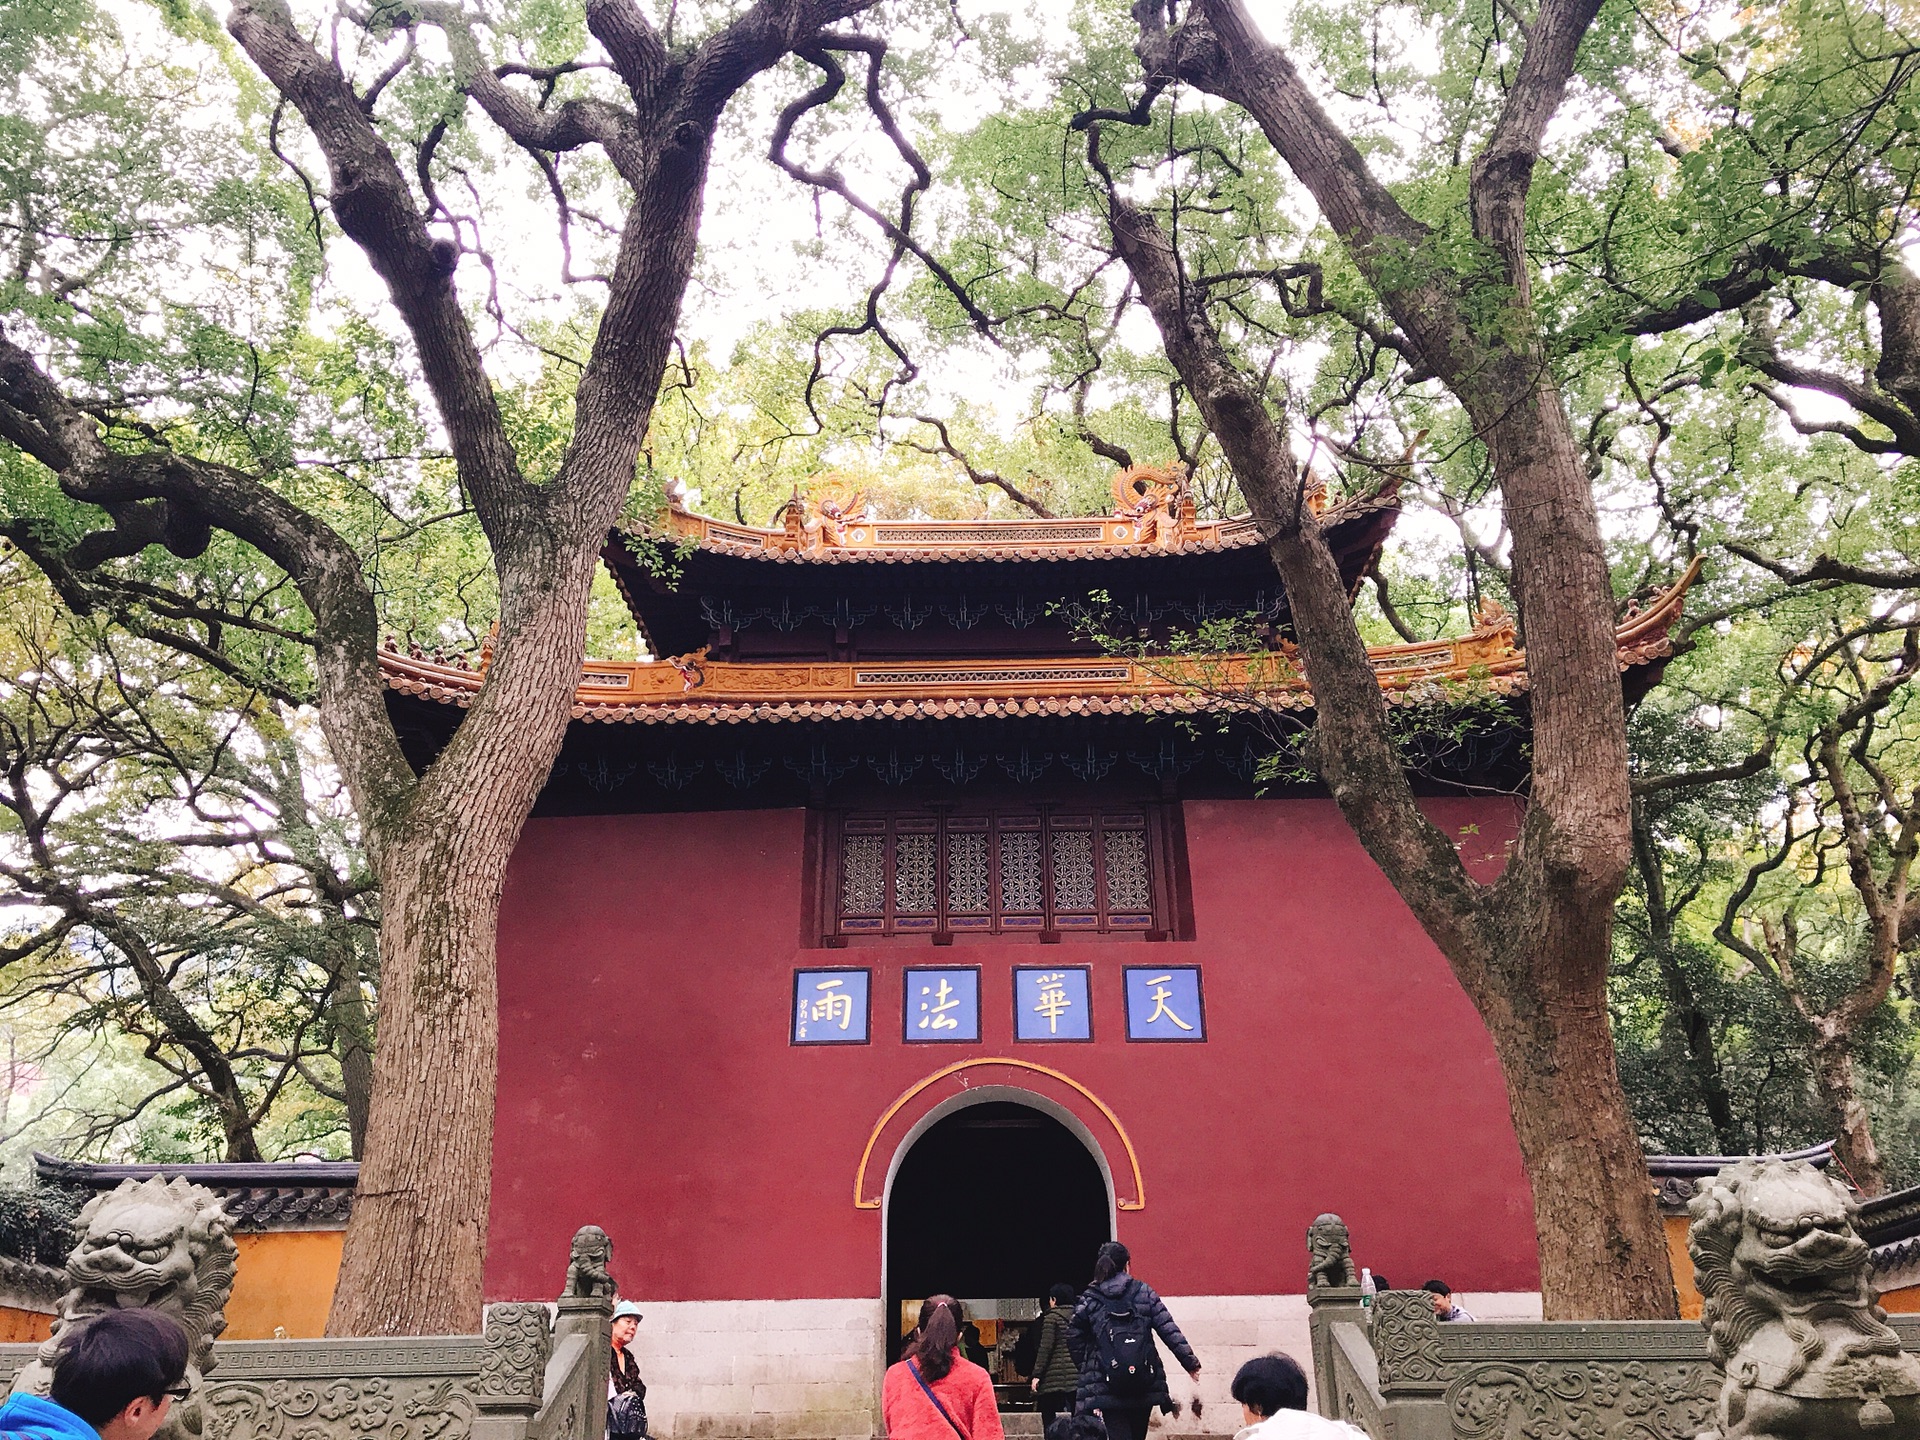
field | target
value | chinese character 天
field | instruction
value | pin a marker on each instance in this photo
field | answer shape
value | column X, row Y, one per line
column 1160, row 995
column 1163, row 1003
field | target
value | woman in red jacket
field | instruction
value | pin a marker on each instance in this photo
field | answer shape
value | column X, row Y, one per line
column 935, row 1393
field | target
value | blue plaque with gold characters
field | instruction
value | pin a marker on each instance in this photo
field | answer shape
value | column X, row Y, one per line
column 943, row 1006
column 1052, row 1003
column 1163, row 1003
column 830, row 1007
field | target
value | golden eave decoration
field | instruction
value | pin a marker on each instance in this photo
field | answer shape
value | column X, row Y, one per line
column 692, row 689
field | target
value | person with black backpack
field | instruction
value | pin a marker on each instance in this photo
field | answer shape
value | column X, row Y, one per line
column 1111, row 1334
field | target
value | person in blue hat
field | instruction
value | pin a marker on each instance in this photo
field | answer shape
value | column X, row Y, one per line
column 626, row 1391
column 117, row 1378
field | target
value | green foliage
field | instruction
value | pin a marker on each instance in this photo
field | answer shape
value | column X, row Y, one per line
column 36, row 1222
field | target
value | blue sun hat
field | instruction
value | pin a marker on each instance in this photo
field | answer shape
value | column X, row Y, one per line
column 627, row 1307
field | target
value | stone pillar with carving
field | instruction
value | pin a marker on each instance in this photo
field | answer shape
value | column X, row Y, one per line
column 1412, row 1376
column 585, row 1308
column 1333, row 1296
column 512, row 1381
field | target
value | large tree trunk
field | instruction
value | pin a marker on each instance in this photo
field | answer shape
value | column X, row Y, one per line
column 1602, row 1243
column 1531, row 951
column 1838, row 1082
column 420, row 1211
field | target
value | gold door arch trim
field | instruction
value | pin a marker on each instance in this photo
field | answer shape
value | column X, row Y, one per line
column 860, row 1200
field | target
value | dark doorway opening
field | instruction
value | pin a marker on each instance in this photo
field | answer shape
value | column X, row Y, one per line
column 995, row 1202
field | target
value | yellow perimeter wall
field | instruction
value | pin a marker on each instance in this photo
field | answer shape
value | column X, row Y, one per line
column 23, row 1327
column 285, row 1279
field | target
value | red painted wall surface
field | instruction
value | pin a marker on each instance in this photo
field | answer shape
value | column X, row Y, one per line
column 647, row 1085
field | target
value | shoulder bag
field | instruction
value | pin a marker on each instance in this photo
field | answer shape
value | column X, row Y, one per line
column 914, row 1370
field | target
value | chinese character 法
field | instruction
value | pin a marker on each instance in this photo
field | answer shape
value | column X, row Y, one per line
column 934, row 1016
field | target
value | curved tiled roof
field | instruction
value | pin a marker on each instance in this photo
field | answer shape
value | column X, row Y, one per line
column 29, row 1285
column 696, row 690
column 282, row 1195
column 1675, row 1176
column 905, row 542
column 826, row 558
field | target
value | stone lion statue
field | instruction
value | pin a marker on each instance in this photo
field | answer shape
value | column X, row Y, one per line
column 1789, row 1316
column 1329, row 1253
column 587, row 1263
column 154, row 1244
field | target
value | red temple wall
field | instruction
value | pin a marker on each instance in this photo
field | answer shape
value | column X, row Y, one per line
column 647, row 1085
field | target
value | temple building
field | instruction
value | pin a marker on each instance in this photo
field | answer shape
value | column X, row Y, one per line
column 926, row 918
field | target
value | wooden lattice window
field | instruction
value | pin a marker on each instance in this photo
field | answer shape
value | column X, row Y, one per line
column 1044, row 871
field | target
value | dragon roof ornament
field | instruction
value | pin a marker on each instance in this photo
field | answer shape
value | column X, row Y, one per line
column 1154, row 513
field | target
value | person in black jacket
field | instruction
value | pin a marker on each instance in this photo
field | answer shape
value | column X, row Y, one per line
column 1113, row 1295
column 1055, row 1375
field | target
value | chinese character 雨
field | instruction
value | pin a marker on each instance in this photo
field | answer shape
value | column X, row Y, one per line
column 834, row 1006
column 1160, row 994
column 1053, row 1002
column 934, row 1016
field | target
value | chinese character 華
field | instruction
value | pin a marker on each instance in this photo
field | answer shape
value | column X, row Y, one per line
column 1054, row 1001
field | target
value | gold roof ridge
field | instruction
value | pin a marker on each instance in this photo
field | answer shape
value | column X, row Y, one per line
column 1154, row 513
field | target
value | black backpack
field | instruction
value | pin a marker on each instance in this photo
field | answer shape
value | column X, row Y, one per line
column 1123, row 1346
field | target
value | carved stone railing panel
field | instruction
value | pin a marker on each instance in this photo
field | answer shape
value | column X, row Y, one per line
column 1642, row 1399
column 385, row 1389
column 369, row 1408
column 1350, row 1390
column 1614, row 1380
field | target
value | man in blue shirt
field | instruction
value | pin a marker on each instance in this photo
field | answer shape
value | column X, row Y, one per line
column 117, row 1378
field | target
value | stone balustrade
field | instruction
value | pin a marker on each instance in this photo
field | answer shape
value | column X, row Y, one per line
column 538, row 1372
column 1791, row 1343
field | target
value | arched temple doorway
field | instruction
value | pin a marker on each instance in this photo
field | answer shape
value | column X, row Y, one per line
column 994, row 1202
